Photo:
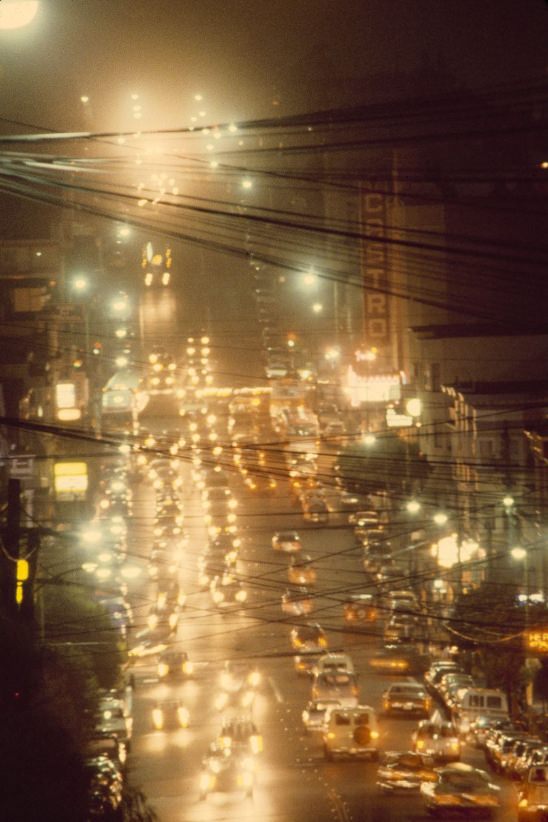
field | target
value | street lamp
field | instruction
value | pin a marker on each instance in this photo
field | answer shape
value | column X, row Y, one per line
column 15, row 14
column 80, row 283
column 413, row 506
column 369, row 439
column 440, row 518
column 317, row 308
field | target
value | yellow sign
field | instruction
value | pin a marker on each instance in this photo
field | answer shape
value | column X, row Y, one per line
column 70, row 479
column 536, row 640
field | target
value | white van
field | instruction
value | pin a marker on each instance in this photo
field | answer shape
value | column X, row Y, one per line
column 334, row 663
column 351, row 732
column 472, row 703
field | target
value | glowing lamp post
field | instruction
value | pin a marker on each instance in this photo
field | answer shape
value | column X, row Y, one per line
column 16, row 14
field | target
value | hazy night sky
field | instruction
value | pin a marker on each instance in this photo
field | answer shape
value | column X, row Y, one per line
column 236, row 52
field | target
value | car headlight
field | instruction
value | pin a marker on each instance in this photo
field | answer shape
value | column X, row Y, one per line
column 183, row 716
column 163, row 669
column 254, row 679
column 158, row 718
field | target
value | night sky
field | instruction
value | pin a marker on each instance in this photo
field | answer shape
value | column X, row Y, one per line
column 240, row 54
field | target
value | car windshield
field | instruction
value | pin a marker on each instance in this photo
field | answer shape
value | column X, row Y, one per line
column 464, row 781
column 336, row 680
column 407, row 691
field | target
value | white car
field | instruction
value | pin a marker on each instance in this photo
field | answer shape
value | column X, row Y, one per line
column 287, row 541
column 340, row 686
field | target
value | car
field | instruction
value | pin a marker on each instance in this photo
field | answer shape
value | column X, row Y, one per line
column 314, row 713
column 107, row 746
column 238, row 682
column 406, row 698
column 297, row 602
column 351, row 732
column 463, row 788
column 240, row 735
column 360, row 610
column 174, row 664
column 308, row 637
column 287, row 541
column 436, row 670
column 316, row 511
column 404, row 772
column 350, row 502
column 301, row 570
column 111, row 719
column 170, row 714
column 340, row 686
column 522, row 753
column 400, row 628
column 438, row 739
column 224, row 771
column 227, row 592
column 397, row 659
column 334, row 663
column 499, row 745
column 533, row 796
column 538, row 757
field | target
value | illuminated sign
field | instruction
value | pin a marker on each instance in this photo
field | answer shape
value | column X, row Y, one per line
column 394, row 420
column 70, row 480
column 382, row 388
column 375, row 270
column 65, row 395
column 536, row 640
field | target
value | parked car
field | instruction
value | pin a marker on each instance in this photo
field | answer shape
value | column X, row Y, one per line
column 533, row 796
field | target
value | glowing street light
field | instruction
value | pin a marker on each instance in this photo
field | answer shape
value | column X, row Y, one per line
column 413, row 506
column 310, row 278
column 332, row 354
column 80, row 283
column 247, row 184
column 317, row 308
column 440, row 518
column 413, row 407
column 518, row 553
column 508, row 501
column 15, row 14
column 369, row 439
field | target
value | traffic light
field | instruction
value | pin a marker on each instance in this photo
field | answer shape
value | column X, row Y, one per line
column 21, row 576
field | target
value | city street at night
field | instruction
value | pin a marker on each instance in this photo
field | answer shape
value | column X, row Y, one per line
column 273, row 410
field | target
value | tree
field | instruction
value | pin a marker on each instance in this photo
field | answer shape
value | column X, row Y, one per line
column 388, row 464
column 81, row 628
column 487, row 626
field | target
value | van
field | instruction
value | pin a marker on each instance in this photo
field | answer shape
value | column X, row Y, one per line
column 334, row 663
column 471, row 703
column 351, row 732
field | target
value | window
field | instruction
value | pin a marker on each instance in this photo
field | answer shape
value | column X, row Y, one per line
column 341, row 719
column 494, row 702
